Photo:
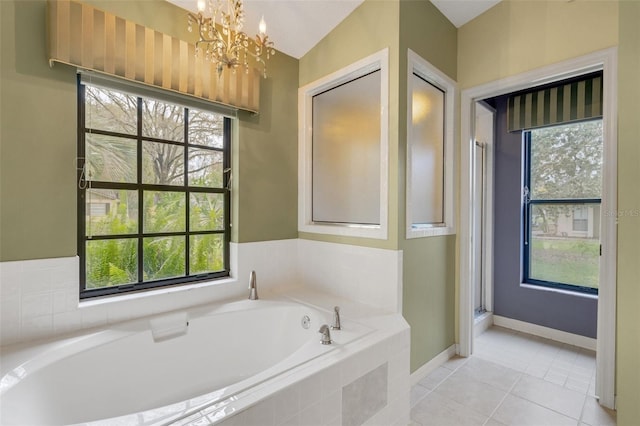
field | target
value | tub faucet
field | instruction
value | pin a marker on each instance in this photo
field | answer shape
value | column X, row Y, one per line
column 336, row 318
column 326, row 334
column 253, row 290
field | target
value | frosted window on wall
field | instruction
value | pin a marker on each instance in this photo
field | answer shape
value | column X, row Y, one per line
column 427, row 153
column 346, row 152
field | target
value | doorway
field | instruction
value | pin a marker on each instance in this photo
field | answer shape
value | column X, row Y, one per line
column 606, row 61
column 482, row 218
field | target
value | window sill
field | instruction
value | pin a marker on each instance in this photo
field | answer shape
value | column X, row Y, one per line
column 110, row 299
column 432, row 231
column 346, row 230
column 559, row 290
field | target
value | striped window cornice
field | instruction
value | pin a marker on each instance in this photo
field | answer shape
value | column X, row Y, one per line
column 89, row 38
column 574, row 100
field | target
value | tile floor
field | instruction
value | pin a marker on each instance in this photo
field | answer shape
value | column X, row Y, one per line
column 512, row 379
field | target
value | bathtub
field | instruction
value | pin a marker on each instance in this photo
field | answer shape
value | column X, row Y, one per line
column 164, row 369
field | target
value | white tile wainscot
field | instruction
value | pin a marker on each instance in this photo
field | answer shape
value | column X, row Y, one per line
column 369, row 275
column 39, row 298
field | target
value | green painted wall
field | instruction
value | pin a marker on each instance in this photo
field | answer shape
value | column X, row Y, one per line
column 429, row 264
column 516, row 36
column 628, row 350
column 267, row 173
column 38, row 137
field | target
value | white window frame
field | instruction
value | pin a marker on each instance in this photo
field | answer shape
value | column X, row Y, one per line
column 431, row 74
column 374, row 62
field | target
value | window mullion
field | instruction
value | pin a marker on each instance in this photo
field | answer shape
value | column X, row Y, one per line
column 187, row 242
column 226, row 182
column 140, row 195
column 81, row 179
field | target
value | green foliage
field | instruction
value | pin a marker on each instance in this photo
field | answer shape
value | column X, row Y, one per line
column 566, row 161
column 111, row 262
column 164, row 257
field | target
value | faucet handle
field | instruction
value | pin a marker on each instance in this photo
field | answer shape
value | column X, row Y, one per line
column 253, row 289
column 336, row 318
column 326, row 334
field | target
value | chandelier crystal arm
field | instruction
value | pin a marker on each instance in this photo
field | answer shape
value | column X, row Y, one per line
column 227, row 45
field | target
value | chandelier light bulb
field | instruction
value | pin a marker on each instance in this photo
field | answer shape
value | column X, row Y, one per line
column 201, row 5
column 262, row 27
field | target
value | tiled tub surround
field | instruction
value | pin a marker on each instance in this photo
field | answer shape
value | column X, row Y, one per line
column 39, row 298
column 363, row 378
column 367, row 383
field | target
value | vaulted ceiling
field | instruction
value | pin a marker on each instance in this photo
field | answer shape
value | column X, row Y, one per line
column 296, row 26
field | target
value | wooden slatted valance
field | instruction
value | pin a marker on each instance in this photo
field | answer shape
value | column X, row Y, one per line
column 89, row 38
column 578, row 99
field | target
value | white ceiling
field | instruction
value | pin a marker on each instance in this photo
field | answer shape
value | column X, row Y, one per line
column 459, row 12
column 295, row 26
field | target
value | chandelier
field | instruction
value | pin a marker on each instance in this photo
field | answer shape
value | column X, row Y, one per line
column 221, row 39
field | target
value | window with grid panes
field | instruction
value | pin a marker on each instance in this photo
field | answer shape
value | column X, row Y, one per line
column 159, row 171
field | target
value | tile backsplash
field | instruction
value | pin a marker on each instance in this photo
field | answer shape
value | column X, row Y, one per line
column 39, row 298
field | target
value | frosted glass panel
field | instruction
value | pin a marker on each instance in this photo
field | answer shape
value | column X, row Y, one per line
column 346, row 152
column 427, row 155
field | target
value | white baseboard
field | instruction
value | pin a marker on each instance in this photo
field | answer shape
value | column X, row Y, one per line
column 546, row 332
column 482, row 323
column 434, row 363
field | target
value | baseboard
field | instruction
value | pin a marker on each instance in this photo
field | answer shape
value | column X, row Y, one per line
column 482, row 323
column 546, row 332
column 434, row 363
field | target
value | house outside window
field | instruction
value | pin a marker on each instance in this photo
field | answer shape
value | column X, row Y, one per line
column 580, row 221
column 561, row 208
column 153, row 192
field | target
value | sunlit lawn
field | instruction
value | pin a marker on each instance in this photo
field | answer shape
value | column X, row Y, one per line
column 566, row 260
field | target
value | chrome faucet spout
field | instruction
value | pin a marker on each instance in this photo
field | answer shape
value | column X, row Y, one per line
column 336, row 318
column 326, row 334
column 253, row 289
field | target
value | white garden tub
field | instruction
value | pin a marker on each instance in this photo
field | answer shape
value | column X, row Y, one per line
column 159, row 369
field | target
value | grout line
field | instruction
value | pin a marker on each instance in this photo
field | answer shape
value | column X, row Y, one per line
column 584, row 404
column 504, row 397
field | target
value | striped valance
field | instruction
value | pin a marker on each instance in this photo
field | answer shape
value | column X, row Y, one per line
column 89, row 38
column 573, row 100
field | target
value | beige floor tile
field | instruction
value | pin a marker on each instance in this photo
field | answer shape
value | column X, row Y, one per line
column 526, row 368
column 417, row 393
column 594, row 414
column 436, row 377
column 550, row 395
column 491, row 373
column 454, row 363
column 436, row 410
column 577, row 385
column 471, row 393
column 515, row 411
column 493, row 422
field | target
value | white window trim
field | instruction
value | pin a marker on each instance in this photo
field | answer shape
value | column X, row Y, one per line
column 377, row 61
column 433, row 75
